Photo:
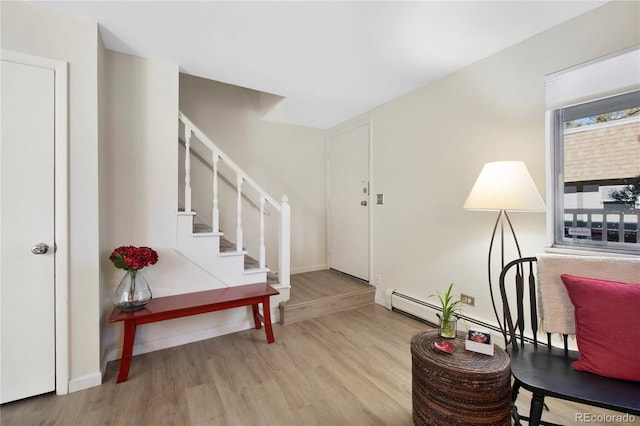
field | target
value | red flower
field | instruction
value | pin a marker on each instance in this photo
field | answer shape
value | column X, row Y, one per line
column 130, row 257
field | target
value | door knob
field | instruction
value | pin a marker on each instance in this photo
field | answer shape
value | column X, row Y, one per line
column 40, row 248
column 363, row 203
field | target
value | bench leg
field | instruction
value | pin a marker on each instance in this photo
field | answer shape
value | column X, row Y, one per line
column 266, row 308
column 256, row 316
column 127, row 351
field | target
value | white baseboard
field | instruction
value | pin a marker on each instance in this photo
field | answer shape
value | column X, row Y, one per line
column 85, row 382
column 303, row 269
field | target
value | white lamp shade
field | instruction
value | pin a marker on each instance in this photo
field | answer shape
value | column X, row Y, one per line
column 505, row 185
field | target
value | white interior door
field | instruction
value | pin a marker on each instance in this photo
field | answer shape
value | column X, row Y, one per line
column 349, row 202
column 27, row 287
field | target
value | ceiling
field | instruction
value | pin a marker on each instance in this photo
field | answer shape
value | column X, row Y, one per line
column 326, row 61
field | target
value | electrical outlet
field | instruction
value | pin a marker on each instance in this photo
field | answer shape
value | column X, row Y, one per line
column 378, row 279
column 468, row 300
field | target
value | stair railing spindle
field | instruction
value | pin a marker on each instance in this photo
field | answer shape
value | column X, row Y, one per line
column 263, row 256
column 239, row 213
column 215, row 220
column 187, row 168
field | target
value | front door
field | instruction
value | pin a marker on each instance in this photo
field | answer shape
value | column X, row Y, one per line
column 27, row 287
column 349, row 202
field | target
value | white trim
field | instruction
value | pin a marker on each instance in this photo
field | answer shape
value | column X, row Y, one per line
column 61, row 210
column 588, row 251
column 550, row 173
column 85, row 382
column 372, row 203
column 303, row 269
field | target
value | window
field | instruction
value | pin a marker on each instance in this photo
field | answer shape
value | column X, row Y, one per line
column 598, row 152
column 595, row 163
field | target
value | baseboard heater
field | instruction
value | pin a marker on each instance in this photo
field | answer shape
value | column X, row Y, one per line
column 426, row 312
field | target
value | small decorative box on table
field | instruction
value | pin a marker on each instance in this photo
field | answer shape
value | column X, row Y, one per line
column 463, row 387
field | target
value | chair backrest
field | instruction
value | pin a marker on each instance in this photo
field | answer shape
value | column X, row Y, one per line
column 517, row 286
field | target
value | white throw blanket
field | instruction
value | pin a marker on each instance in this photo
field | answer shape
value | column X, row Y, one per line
column 554, row 306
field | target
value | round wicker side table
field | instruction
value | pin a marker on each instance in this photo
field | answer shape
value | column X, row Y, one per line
column 463, row 388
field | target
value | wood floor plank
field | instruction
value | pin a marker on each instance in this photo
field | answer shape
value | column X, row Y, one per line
column 204, row 405
column 348, row 368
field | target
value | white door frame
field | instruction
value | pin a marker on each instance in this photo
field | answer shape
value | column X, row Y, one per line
column 61, row 207
column 370, row 197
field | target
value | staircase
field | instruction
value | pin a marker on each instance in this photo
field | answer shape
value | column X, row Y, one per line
column 200, row 240
column 238, row 204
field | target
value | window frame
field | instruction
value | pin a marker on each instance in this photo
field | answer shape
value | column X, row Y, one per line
column 555, row 130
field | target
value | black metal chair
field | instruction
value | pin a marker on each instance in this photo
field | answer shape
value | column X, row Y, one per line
column 545, row 370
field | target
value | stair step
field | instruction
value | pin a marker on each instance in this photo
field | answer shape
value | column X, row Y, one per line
column 201, row 228
column 233, row 253
column 272, row 278
column 291, row 313
column 208, row 234
column 255, row 270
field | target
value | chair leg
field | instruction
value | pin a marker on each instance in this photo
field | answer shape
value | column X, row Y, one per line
column 514, row 395
column 514, row 415
column 535, row 413
column 514, row 390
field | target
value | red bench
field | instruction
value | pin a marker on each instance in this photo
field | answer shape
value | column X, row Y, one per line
column 183, row 305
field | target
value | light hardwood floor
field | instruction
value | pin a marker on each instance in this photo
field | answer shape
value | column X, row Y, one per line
column 348, row 368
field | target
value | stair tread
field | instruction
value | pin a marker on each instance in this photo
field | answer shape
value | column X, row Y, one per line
column 207, row 234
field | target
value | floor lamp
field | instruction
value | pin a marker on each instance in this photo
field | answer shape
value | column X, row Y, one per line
column 504, row 186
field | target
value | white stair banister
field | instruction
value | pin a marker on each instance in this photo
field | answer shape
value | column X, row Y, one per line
column 187, row 168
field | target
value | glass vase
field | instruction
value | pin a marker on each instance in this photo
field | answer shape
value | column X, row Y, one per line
column 133, row 292
column 448, row 327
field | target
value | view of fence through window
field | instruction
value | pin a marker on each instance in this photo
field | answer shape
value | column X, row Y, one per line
column 601, row 155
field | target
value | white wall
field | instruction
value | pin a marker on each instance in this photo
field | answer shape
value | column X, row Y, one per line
column 430, row 145
column 141, row 188
column 37, row 31
column 284, row 159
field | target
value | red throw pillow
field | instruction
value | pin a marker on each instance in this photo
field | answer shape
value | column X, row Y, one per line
column 607, row 315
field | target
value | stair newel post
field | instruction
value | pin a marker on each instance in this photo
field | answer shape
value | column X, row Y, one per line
column 239, row 213
column 284, row 268
column 263, row 261
column 215, row 220
column 187, row 168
